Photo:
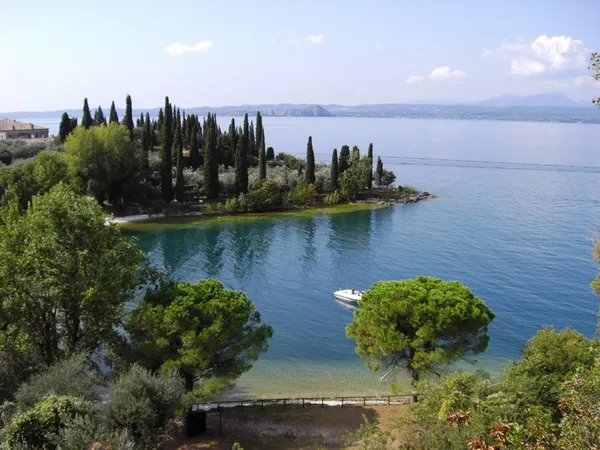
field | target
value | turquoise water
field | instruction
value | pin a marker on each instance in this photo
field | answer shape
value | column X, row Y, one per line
column 519, row 235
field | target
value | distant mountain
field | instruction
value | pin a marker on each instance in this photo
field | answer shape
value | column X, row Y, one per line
column 552, row 100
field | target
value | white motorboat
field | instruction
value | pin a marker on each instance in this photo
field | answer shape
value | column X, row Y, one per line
column 348, row 295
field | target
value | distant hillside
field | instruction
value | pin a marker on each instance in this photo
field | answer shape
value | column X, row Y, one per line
column 552, row 100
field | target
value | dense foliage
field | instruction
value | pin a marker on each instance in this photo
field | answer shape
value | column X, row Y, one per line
column 64, row 276
column 419, row 325
column 209, row 334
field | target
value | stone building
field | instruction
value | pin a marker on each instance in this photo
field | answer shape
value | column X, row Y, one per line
column 13, row 129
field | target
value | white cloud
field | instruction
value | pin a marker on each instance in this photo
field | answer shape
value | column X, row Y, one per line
column 273, row 41
column 543, row 55
column 415, row 79
column 177, row 48
column 316, row 39
column 294, row 41
column 446, row 74
column 378, row 48
column 586, row 81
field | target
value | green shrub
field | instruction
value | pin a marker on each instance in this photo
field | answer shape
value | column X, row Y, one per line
column 36, row 428
column 91, row 432
column 68, row 377
column 332, row 199
column 231, row 205
column 145, row 405
column 303, row 195
column 265, row 196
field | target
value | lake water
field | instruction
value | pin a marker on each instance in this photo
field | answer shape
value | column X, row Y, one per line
column 518, row 205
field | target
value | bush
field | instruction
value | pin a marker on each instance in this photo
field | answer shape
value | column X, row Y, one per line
column 36, row 427
column 68, row 377
column 323, row 178
column 332, row 199
column 408, row 190
column 303, row 195
column 145, row 405
column 265, row 196
column 231, row 205
column 91, row 432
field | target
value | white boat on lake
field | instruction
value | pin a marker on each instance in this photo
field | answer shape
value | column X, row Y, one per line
column 348, row 295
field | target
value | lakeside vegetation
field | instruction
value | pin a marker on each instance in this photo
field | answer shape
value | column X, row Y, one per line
column 178, row 163
column 77, row 371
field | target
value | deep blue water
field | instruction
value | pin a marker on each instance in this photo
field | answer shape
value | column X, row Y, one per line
column 508, row 223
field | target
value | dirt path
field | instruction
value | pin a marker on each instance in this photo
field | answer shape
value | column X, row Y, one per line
column 292, row 428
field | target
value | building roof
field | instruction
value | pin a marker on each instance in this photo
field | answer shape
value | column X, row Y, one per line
column 15, row 125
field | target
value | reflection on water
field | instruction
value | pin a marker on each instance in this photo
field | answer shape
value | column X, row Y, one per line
column 527, row 254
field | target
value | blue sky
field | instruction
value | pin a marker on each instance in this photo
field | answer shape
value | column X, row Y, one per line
column 55, row 53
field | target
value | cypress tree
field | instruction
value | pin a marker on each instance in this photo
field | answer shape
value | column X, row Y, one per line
column 334, row 170
column 309, row 175
column 241, row 165
column 99, row 118
column 191, row 122
column 86, row 119
column 73, row 124
column 252, row 147
column 379, row 171
column 195, row 158
column 370, row 156
column 233, row 137
column 65, row 127
column 113, row 117
column 259, row 130
column 262, row 158
column 246, row 128
column 178, row 149
column 355, row 154
column 150, row 126
column 176, row 124
column 344, row 157
column 128, row 119
column 211, row 164
column 166, row 180
column 159, row 121
column 146, row 145
column 270, row 153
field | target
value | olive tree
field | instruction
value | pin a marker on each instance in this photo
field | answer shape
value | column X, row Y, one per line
column 419, row 325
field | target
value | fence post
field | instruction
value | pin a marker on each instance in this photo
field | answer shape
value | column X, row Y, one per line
column 284, row 403
column 389, row 400
column 342, row 402
column 262, row 404
column 303, row 403
column 242, row 405
column 322, row 402
column 364, row 401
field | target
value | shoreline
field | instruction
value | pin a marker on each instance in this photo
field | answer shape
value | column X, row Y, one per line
column 195, row 215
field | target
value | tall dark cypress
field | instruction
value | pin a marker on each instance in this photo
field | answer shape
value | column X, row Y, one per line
column 262, row 158
column 270, row 153
column 344, row 159
column 178, row 149
column 334, row 170
column 65, row 127
column 99, row 118
column 161, row 118
column 246, row 128
column 211, row 164
column 166, row 180
column 113, row 117
column 86, row 119
column 73, row 123
column 241, row 165
column 379, row 171
column 195, row 158
column 309, row 174
column 259, row 129
column 370, row 156
column 252, row 147
column 146, row 144
column 128, row 119
column 141, row 121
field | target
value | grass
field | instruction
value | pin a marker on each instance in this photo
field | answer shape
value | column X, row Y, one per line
column 190, row 221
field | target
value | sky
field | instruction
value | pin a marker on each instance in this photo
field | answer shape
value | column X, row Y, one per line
column 233, row 52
